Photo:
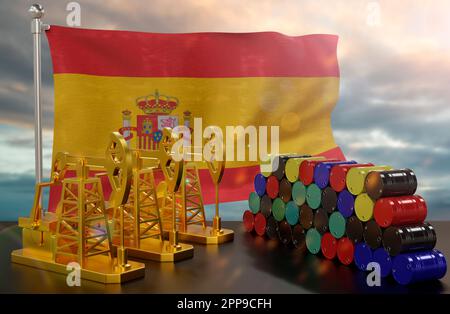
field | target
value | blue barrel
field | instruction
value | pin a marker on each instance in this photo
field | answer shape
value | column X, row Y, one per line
column 419, row 266
column 260, row 184
column 363, row 255
column 382, row 257
column 322, row 172
column 292, row 213
column 346, row 203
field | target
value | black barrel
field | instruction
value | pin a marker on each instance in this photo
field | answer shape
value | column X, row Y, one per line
column 285, row 232
column 354, row 229
column 285, row 190
column 398, row 240
column 306, row 216
column 321, row 220
column 391, row 183
column 271, row 228
column 329, row 199
column 373, row 235
column 298, row 236
column 265, row 206
column 282, row 159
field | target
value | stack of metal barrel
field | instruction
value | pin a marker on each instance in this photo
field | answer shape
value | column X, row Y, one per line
column 356, row 213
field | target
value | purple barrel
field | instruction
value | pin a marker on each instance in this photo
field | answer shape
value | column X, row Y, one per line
column 346, row 203
column 322, row 171
column 260, row 184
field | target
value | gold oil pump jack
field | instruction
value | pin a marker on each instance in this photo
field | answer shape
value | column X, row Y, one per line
column 190, row 212
column 137, row 224
column 79, row 230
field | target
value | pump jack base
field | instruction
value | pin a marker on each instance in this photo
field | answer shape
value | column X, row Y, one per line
column 98, row 268
column 198, row 234
column 155, row 250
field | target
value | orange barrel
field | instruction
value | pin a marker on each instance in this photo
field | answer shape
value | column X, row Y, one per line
column 293, row 165
column 285, row 190
column 345, row 251
column 356, row 178
column 338, row 175
column 400, row 210
column 306, row 216
column 391, row 183
column 272, row 187
column 373, row 234
column 306, row 170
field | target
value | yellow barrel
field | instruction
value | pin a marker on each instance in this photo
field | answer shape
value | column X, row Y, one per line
column 266, row 163
column 356, row 178
column 293, row 164
column 364, row 207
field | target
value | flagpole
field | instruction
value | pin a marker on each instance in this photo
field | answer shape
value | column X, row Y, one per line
column 37, row 12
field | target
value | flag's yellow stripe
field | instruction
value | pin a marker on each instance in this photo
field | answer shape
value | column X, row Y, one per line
column 88, row 108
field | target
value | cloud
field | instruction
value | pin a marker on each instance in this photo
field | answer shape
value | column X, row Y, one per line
column 393, row 107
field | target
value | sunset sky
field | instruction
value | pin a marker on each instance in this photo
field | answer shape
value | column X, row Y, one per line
column 394, row 57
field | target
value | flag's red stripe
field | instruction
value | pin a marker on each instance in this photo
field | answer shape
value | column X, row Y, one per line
column 136, row 54
column 236, row 185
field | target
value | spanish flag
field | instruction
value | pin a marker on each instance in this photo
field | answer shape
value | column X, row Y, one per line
column 140, row 82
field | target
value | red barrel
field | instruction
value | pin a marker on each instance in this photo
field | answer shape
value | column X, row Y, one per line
column 400, row 210
column 306, row 170
column 345, row 251
column 249, row 221
column 338, row 174
column 272, row 187
column 329, row 245
column 260, row 224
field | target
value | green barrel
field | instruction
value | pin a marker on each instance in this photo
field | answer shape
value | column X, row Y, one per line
column 336, row 224
column 313, row 196
column 299, row 193
column 292, row 213
column 278, row 209
column 313, row 239
column 253, row 202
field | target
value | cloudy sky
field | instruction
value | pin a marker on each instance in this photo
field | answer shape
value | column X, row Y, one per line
column 394, row 57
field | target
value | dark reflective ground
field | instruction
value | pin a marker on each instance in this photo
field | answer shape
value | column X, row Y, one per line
column 250, row 264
